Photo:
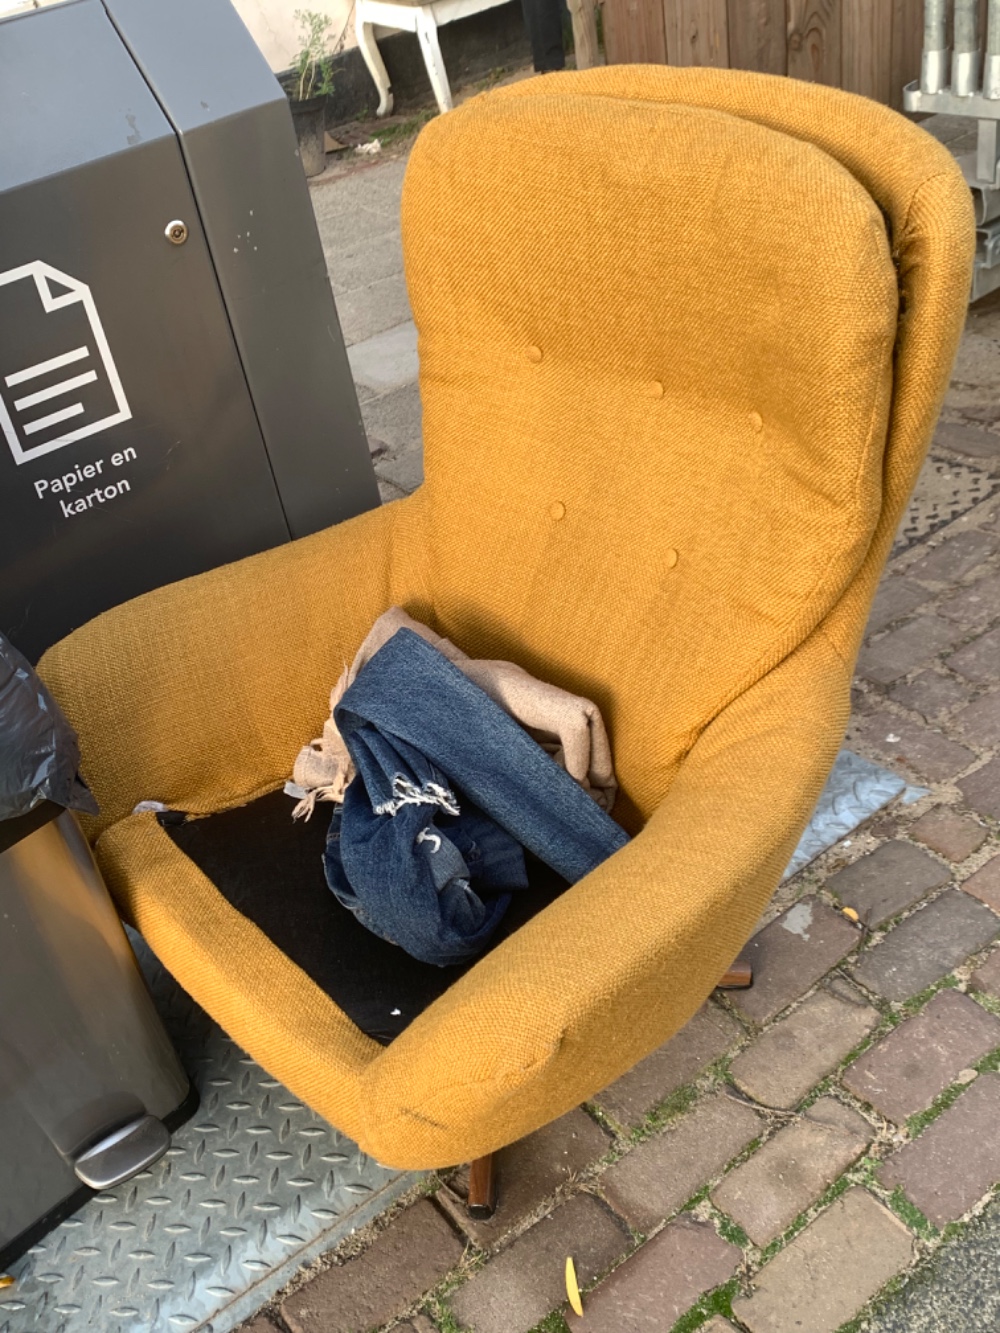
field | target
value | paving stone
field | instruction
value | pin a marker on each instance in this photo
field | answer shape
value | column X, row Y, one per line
column 360, row 261
column 930, row 694
column 259, row 1325
column 717, row 1325
column 969, row 440
column 791, row 954
column 981, row 790
column 388, row 492
column 679, row 1061
column 987, row 977
column 788, row 1059
column 951, row 835
column 406, row 471
column 525, row 1282
column 659, row 1176
column 980, row 720
column 893, row 877
column 954, row 557
column 387, row 360
column 975, row 606
column 913, row 1065
column 829, row 1271
column 979, row 660
column 956, row 1160
column 927, row 946
column 381, row 305
column 662, row 1280
column 409, row 1257
column 896, row 597
column 790, row 1172
column 530, row 1171
column 396, row 418
column 903, row 650
column 922, row 750
column 420, row 1323
column 985, row 883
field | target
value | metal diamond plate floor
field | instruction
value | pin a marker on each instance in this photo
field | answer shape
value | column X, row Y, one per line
column 945, row 489
column 256, row 1185
column 253, row 1186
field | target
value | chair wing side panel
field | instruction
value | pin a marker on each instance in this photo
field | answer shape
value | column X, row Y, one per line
column 622, row 960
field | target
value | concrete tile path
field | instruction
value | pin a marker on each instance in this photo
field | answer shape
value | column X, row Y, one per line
column 815, row 1153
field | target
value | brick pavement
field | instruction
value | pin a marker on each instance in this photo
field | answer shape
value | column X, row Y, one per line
column 808, row 1145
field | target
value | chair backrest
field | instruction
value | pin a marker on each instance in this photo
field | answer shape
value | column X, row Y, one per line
column 658, row 312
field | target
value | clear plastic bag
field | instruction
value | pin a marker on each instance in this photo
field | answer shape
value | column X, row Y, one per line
column 39, row 754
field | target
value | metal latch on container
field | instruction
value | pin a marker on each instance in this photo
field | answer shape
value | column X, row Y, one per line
column 123, row 1154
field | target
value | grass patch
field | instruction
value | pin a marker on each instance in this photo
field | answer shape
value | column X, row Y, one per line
column 676, row 1104
column 988, row 1002
column 445, row 1320
column 911, row 1215
column 405, row 128
column 552, row 1323
column 717, row 1302
column 838, row 1188
column 493, row 78
column 732, row 1231
column 916, row 1002
column 860, row 1321
column 916, row 1124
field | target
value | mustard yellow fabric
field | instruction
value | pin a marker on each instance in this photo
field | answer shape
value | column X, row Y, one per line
column 684, row 335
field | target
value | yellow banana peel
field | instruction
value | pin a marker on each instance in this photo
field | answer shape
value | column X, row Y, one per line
column 573, row 1287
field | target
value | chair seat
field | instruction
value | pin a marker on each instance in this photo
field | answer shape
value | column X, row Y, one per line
column 270, row 868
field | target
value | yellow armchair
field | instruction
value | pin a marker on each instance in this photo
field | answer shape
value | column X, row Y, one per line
column 684, row 336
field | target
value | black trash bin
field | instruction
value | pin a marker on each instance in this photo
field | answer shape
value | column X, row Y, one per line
column 174, row 387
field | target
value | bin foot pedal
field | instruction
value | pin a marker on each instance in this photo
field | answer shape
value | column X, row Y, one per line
column 123, row 1154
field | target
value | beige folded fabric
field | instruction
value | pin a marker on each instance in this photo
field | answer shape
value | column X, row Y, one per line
column 569, row 727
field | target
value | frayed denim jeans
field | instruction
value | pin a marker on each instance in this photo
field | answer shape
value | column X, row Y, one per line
column 427, row 846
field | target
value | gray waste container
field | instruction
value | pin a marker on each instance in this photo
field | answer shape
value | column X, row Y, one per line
column 174, row 387
column 89, row 1082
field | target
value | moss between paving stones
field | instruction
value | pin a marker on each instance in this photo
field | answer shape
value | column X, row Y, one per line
column 405, row 128
column 553, row 1323
column 911, row 1215
column 916, row 1124
column 860, row 1321
column 717, row 1302
column 862, row 1173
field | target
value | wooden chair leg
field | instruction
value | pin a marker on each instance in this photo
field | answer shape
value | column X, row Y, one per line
column 739, row 976
column 483, row 1183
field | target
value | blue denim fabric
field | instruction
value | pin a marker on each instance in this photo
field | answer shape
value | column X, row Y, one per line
column 448, row 790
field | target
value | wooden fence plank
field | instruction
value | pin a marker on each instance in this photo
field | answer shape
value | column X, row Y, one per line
column 697, row 32
column 814, row 40
column 757, row 35
column 583, row 16
column 634, row 32
column 907, row 40
column 866, row 48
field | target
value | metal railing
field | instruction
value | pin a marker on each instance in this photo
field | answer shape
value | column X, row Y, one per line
column 965, row 81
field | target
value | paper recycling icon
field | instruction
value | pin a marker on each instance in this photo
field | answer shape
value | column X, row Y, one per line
column 71, row 388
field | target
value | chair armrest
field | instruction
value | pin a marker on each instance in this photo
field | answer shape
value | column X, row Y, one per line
column 622, row 960
column 201, row 693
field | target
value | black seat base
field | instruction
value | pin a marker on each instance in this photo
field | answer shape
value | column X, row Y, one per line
column 270, row 868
